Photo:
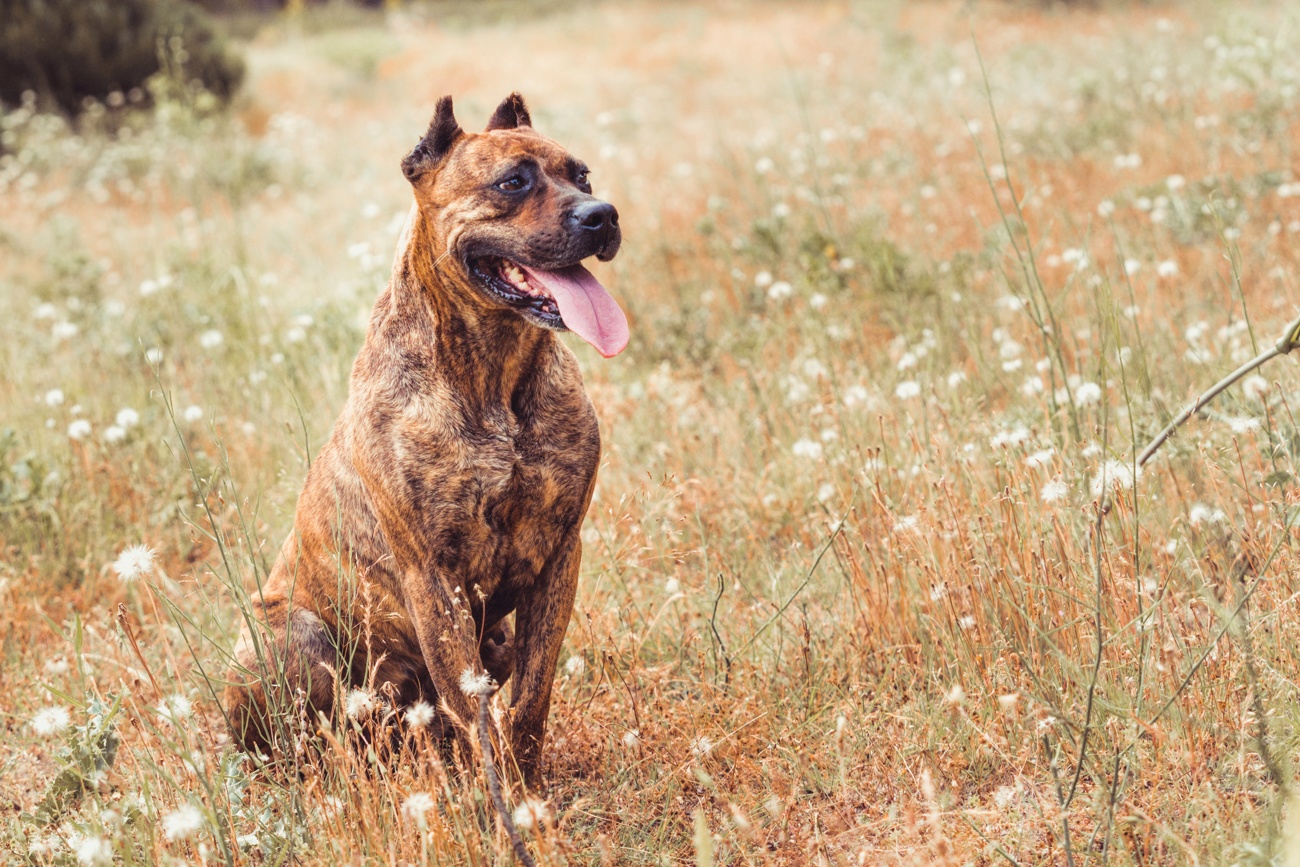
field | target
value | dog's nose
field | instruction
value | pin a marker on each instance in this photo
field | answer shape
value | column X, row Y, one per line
column 594, row 216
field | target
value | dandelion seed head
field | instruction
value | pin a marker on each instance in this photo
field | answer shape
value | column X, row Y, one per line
column 182, row 823
column 531, row 813
column 416, row 806
column 1053, row 491
column 1115, row 474
column 575, row 666
column 358, row 702
column 908, row 389
column 114, row 434
column 175, row 708
column 473, row 684
column 1087, row 394
column 419, row 714
column 50, row 721
column 135, row 561
column 632, row 738
column 807, row 448
column 93, row 851
column 701, row 746
column 127, row 418
column 54, row 397
column 1255, row 386
column 1241, row 425
column 79, row 429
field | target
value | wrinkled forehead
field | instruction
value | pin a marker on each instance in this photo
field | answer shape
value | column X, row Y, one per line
column 486, row 154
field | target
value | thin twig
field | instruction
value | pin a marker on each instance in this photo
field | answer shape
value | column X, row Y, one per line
column 494, row 782
column 1289, row 340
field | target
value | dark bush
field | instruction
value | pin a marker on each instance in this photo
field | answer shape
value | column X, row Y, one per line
column 70, row 50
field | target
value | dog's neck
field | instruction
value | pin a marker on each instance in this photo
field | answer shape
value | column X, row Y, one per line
column 485, row 352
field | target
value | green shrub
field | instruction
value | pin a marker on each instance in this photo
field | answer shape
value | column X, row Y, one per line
column 70, row 50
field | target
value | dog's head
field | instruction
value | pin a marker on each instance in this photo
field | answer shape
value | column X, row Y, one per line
column 516, row 213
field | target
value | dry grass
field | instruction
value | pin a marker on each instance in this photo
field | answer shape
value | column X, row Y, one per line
column 846, row 599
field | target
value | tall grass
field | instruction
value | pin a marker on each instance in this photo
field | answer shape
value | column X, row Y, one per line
column 902, row 322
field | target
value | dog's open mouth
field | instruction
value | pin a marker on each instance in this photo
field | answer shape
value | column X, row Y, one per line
column 567, row 297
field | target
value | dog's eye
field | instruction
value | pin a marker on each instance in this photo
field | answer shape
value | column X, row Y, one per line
column 513, row 184
column 583, row 178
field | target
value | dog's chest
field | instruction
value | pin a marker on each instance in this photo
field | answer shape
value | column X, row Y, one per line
column 515, row 493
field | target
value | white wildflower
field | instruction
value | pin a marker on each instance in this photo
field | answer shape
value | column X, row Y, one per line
column 1115, row 474
column 154, row 356
column 1087, row 393
column 672, row 587
column 358, row 702
column 79, row 429
column 419, row 714
column 1241, row 425
column 807, row 448
column 114, row 434
column 1167, row 268
column 1014, row 437
column 966, row 621
column 57, row 665
column 1040, row 458
column 248, row 841
column 906, row 524
column 192, row 413
column 211, row 339
column 938, row 591
column 531, row 813
column 54, row 397
column 475, row 684
column 825, row 493
column 127, row 418
column 1053, row 491
column 45, row 311
column 817, row 301
column 1201, row 514
column 907, row 389
column 133, row 562
column 416, row 806
column 175, row 708
column 632, row 738
column 780, row 290
column 1009, row 701
column 956, row 378
column 93, row 851
column 1004, row 796
column 701, row 746
column 1255, row 386
column 956, row 695
column 64, row 330
column 575, row 666
column 182, row 823
column 763, row 279
column 50, row 721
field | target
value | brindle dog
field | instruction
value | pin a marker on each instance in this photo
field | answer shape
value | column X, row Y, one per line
column 454, row 485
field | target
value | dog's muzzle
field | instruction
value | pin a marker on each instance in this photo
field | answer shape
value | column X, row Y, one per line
column 597, row 223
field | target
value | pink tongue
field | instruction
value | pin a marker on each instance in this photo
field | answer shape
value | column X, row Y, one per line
column 588, row 310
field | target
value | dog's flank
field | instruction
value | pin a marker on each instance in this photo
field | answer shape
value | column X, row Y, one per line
column 454, row 485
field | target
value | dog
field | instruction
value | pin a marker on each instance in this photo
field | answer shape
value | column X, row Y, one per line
column 453, row 488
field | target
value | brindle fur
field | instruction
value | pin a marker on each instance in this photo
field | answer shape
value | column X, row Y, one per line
column 456, row 478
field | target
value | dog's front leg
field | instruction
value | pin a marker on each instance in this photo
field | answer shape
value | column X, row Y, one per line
column 449, row 644
column 540, row 623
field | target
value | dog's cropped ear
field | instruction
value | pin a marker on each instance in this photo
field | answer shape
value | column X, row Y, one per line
column 512, row 113
column 436, row 144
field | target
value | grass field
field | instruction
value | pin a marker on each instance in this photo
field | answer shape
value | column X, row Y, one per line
column 901, row 319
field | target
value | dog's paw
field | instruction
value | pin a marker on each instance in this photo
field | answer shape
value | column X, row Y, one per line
column 497, row 652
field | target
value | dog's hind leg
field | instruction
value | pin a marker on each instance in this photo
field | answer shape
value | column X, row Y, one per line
column 283, row 678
